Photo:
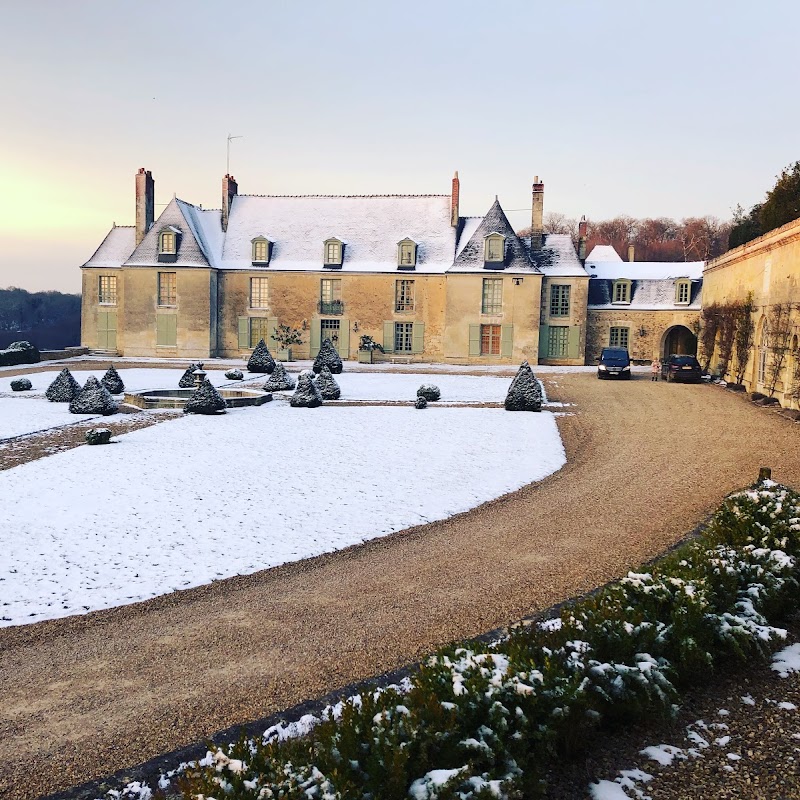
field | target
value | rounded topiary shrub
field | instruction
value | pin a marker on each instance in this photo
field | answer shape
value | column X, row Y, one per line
column 430, row 392
column 205, row 400
column 327, row 386
column 187, row 379
column 94, row 398
column 421, row 402
column 98, row 436
column 63, row 389
column 328, row 357
column 280, row 380
column 307, row 394
column 19, row 353
column 21, row 385
column 525, row 392
column 234, row 375
column 261, row 360
column 112, row 381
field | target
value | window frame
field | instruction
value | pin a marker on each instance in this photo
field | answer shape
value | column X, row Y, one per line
column 623, row 333
column 492, row 306
column 337, row 253
column 111, row 292
column 491, row 339
column 260, row 242
column 262, row 295
column 488, row 241
column 404, row 334
column 558, row 340
column 680, row 286
column 263, row 330
column 560, row 300
column 404, row 296
column 406, row 246
column 621, row 286
column 330, row 302
column 164, row 297
column 330, row 324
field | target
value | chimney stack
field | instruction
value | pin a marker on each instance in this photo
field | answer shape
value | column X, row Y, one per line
column 229, row 190
column 537, row 214
column 145, row 203
column 454, row 201
column 630, row 252
column 583, row 228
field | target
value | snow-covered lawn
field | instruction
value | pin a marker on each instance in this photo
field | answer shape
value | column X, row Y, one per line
column 197, row 499
column 27, row 415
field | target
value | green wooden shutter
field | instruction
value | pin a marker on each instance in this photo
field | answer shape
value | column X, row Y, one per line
column 315, row 338
column 418, row 337
column 388, row 337
column 244, row 333
column 544, row 341
column 506, row 340
column 111, row 330
column 172, row 329
column 161, row 330
column 272, row 324
column 344, row 337
column 474, row 340
column 574, row 342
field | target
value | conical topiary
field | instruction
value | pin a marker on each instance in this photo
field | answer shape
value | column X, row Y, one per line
column 307, row 394
column 94, row 398
column 261, row 360
column 112, row 381
column 327, row 386
column 187, row 379
column 328, row 357
column 280, row 380
column 525, row 393
column 206, row 400
column 63, row 389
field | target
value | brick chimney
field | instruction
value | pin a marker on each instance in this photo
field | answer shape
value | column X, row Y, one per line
column 454, row 201
column 583, row 228
column 537, row 214
column 145, row 203
column 229, row 190
column 630, row 252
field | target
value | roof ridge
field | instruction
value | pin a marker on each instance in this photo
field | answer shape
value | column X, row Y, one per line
column 359, row 196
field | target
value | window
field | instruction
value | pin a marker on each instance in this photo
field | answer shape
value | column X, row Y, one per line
column 258, row 292
column 261, row 248
column 329, row 329
column 404, row 296
column 682, row 292
column 259, row 329
column 404, row 337
column 494, row 248
column 618, row 337
column 167, row 288
column 492, row 300
column 558, row 341
column 490, row 340
column 331, row 296
column 406, row 253
column 166, row 242
column 107, row 291
column 332, row 253
column 559, row 301
column 621, row 292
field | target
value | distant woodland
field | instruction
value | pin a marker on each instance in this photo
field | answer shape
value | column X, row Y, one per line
column 50, row 320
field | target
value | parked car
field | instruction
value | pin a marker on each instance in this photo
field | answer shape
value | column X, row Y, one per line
column 681, row 368
column 615, row 362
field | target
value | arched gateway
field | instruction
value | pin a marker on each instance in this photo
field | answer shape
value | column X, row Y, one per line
column 678, row 340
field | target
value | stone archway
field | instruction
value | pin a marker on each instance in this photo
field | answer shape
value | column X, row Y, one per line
column 678, row 340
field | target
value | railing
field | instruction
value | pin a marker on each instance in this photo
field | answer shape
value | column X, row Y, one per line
column 330, row 307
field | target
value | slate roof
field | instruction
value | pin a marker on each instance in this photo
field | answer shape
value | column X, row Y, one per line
column 603, row 252
column 114, row 249
column 559, row 259
column 646, row 295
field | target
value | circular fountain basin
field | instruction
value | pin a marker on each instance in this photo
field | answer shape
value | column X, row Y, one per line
column 176, row 398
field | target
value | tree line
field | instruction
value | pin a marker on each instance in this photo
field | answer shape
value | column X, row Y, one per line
column 50, row 320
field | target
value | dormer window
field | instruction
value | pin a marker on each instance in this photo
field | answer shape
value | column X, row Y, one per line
column 621, row 291
column 332, row 253
column 406, row 254
column 683, row 292
column 261, row 250
column 168, row 244
column 494, row 250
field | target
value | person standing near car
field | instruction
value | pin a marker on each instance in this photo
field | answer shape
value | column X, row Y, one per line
column 655, row 370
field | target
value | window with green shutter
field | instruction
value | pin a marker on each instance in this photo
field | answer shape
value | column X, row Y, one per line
column 558, row 341
column 559, row 300
column 259, row 329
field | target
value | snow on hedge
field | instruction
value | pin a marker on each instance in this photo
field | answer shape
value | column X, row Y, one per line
column 81, row 535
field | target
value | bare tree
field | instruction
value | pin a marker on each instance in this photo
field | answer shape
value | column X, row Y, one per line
column 727, row 330
column 709, row 325
column 555, row 222
column 779, row 321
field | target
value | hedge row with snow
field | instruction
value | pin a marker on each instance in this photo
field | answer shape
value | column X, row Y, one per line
column 483, row 720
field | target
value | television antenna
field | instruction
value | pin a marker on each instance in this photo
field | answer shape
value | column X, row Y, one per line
column 228, row 161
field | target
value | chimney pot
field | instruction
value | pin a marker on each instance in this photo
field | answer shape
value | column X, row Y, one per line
column 145, row 203
column 630, row 252
column 454, row 196
column 229, row 190
column 537, row 214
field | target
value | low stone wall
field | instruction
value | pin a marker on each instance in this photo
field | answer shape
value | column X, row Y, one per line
column 67, row 352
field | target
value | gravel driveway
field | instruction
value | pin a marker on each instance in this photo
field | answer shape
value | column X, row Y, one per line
column 85, row 696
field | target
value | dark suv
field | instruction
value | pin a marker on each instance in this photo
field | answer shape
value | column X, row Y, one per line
column 681, row 368
column 614, row 363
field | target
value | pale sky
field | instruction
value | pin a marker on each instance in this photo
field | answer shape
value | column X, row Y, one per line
column 649, row 109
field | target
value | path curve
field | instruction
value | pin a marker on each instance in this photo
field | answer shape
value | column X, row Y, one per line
column 83, row 697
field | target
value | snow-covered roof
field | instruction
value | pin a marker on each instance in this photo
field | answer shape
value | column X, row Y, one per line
column 114, row 249
column 646, row 295
column 645, row 270
column 603, row 252
column 369, row 226
column 564, row 261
